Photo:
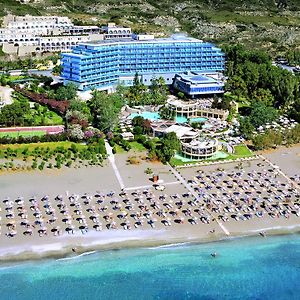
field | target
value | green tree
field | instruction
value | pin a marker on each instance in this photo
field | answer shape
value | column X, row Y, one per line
column 246, row 128
column 170, row 144
column 237, row 86
column 167, row 114
column 105, row 110
column 262, row 114
column 14, row 114
column 263, row 95
column 137, row 93
column 158, row 91
column 67, row 92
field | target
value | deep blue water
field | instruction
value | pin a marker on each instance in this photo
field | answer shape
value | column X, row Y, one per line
column 250, row 268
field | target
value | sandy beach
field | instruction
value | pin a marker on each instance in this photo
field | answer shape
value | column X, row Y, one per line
column 71, row 211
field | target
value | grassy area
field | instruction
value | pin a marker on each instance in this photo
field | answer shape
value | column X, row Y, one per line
column 19, row 148
column 119, row 149
column 242, row 150
column 23, row 134
column 178, row 162
column 50, row 155
column 137, row 146
column 41, row 115
column 14, row 77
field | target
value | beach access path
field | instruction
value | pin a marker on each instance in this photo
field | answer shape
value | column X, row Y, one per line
column 191, row 190
column 111, row 158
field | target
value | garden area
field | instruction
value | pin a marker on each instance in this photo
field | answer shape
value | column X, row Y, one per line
column 52, row 155
column 24, row 113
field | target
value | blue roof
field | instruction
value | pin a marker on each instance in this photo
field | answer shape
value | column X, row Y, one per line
column 198, row 78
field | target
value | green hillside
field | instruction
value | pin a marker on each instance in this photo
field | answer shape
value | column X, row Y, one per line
column 266, row 24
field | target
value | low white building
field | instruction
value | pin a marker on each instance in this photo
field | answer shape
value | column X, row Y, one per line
column 22, row 35
column 200, row 148
column 112, row 31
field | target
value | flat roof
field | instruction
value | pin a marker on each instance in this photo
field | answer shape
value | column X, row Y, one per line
column 181, row 130
column 197, row 78
column 201, row 143
column 172, row 39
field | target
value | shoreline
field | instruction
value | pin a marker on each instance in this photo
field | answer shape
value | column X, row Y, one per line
column 228, row 204
column 46, row 251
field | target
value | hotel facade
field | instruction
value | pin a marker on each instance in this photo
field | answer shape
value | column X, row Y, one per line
column 23, row 35
column 105, row 64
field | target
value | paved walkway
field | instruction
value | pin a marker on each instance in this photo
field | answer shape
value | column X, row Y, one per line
column 223, row 227
column 191, row 190
column 111, row 158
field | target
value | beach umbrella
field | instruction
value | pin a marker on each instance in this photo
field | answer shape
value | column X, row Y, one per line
column 80, row 219
column 60, row 197
column 42, row 231
column 83, row 227
column 27, row 232
column 70, row 229
column 45, row 198
column 24, row 222
column 97, row 227
column 93, row 218
column 66, row 220
column 55, row 229
column 11, row 233
column 11, row 223
column 52, row 220
column 6, row 199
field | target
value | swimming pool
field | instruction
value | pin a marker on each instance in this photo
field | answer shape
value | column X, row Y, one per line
column 200, row 120
column 154, row 116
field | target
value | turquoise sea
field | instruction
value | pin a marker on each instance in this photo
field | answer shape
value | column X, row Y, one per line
column 245, row 268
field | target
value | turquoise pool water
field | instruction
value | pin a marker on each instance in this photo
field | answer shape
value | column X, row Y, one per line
column 146, row 115
column 153, row 116
column 249, row 268
column 200, row 120
column 181, row 120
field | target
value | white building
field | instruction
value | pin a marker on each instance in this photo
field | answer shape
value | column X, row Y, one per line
column 22, row 35
column 112, row 31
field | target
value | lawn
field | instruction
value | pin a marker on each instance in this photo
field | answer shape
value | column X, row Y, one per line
column 242, row 150
column 137, row 147
column 41, row 115
column 30, row 147
column 119, row 149
column 178, row 162
column 16, row 134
